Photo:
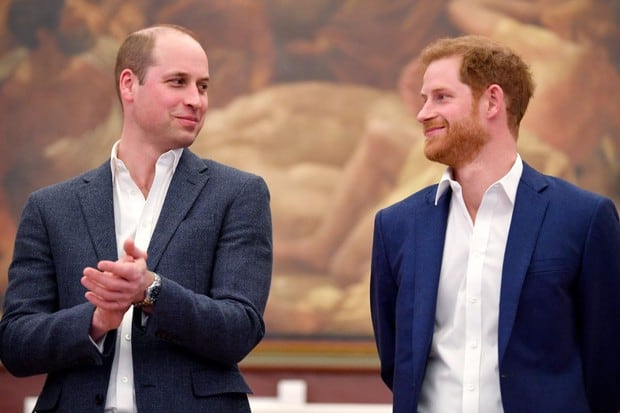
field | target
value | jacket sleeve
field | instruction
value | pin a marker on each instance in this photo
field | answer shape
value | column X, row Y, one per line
column 224, row 321
column 36, row 335
column 383, row 304
column 599, row 293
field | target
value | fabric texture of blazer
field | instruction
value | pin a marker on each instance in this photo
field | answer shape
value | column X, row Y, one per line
column 212, row 247
column 558, row 338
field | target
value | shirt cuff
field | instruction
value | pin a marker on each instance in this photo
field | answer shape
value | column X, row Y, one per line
column 99, row 344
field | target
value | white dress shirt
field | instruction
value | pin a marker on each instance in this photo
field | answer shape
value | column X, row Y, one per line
column 135, row 217
column 462, row 374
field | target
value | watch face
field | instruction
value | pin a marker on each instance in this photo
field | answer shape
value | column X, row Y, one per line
column 153, row 293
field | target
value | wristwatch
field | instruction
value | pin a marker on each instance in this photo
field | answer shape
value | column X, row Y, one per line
column 152, row 292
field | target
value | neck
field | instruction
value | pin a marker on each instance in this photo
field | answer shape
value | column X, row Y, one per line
column 477, row 176
column 140, row 161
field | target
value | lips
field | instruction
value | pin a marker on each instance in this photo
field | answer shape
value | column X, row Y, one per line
column 433, row 129
column 188, row 120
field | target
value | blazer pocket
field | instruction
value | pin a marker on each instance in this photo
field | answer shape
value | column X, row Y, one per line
column 207, row 383
column 549, row 265
column 551, row 273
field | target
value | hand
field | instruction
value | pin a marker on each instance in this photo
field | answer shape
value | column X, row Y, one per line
column 114, row 286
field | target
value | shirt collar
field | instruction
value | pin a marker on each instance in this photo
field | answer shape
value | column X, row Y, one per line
column 508, row 182
column 168, row 159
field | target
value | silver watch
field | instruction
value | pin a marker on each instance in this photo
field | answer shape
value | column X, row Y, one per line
column 152, row 292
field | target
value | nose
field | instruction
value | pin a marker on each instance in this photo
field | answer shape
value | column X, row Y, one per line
column 425, row 112
column 196, row 98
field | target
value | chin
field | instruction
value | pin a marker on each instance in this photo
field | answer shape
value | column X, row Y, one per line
column 185, row 141
column 445, row 157
column 434, row 152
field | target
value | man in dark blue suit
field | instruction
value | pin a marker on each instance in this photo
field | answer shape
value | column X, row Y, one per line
column 139, row 286
column 497, row 290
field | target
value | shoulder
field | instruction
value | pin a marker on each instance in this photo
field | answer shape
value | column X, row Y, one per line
column 402, row 216
column 422, row 198
column 218, row 169
column 62, row 190
column 214, row 169
column 561, row 193
column 226, row 177
column 225, row 180
column 567, row 206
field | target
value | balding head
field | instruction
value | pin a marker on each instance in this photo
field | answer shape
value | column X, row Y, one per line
column 136, row 52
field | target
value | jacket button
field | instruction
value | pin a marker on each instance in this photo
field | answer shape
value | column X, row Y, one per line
column 99, row 400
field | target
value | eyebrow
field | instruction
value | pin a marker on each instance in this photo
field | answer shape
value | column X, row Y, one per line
column 185, row 74
column 436, row 90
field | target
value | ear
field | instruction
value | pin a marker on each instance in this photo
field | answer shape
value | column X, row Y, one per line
column 495, row 101
column 126, row 84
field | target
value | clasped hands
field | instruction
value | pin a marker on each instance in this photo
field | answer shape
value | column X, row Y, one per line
column 114, row 286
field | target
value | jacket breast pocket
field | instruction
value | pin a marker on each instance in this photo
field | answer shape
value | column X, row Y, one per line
column 549, row 280
column 553, row 272
column 549, row 265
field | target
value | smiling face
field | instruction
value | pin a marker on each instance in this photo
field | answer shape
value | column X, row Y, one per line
column 167, row 108
column 449, row 116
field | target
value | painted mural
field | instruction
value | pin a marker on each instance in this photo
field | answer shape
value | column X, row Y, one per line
column 310, row 95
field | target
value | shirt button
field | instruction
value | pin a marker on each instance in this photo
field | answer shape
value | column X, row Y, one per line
column 470, row 387
column 473, row 299
column 473, row 344
column 128, row 337
column 124, row 379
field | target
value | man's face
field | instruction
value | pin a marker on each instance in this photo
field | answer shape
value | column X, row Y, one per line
column 168, row 108
column 449, row 116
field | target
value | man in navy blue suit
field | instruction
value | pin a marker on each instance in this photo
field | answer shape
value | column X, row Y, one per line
column 498, row 289
column 138, row 286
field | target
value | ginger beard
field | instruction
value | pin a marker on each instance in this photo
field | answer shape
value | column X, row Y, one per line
column 460, row 144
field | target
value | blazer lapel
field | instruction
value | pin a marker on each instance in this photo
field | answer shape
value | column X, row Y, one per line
column 187, row 183
column 430, row 234
column 527, row 218
column 98, row 210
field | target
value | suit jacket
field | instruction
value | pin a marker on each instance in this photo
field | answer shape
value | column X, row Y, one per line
column 558, row 338
column 212, row 248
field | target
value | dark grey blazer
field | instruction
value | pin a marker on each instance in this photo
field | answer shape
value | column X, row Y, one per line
column 212, row 246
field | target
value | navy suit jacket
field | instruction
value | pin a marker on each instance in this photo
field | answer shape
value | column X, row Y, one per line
column 212, row 248
column 558, row 338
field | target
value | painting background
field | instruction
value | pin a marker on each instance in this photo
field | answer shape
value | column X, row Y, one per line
column 310, row 96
